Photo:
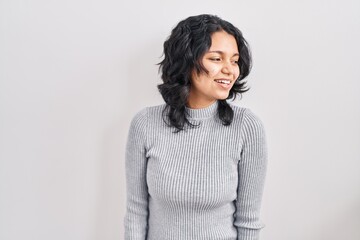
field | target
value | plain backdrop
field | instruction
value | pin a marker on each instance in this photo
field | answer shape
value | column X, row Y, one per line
column 73, row 74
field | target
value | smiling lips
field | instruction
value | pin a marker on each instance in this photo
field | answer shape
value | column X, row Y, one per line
column 224, row 83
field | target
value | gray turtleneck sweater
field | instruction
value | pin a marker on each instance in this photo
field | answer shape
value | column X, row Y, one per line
column 201, row 183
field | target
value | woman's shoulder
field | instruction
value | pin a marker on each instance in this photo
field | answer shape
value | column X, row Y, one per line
column 148, row 112
column 154, row 109
column 247, row 116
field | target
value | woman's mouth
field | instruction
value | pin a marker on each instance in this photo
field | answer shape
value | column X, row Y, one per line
column 223, row 83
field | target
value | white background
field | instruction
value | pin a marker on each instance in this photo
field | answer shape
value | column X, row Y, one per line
column 73, row 73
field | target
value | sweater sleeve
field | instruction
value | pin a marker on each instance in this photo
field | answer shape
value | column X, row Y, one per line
column 136, row 217
column 252, row 172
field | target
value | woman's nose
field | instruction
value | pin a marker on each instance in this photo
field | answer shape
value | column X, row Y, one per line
column 227, row 68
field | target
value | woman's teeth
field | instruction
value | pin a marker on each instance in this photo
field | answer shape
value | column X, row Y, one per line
column 223, row 81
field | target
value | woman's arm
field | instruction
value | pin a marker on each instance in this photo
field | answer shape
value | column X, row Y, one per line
column 252, row 171
column 136, row 218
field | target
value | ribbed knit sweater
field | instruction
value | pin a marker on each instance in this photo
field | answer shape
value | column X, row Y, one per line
column 201, row 183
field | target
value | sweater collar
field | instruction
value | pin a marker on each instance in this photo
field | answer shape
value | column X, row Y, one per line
column 198, row 113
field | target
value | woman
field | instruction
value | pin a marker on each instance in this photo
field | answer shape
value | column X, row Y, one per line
column 196, row 165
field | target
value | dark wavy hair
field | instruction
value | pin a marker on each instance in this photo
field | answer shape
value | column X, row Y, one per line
column 183, row 53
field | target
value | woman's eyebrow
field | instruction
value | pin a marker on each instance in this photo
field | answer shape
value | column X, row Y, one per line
column 221, row 52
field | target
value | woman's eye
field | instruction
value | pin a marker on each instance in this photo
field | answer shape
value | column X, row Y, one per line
column 215, row 59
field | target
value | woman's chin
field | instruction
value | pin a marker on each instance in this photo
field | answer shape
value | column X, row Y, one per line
column 223, row 96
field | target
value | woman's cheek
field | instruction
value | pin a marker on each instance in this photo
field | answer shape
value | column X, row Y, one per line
column 237, row 73
column 214, row 71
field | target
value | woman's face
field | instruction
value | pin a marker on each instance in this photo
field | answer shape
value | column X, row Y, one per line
column 221, row 60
